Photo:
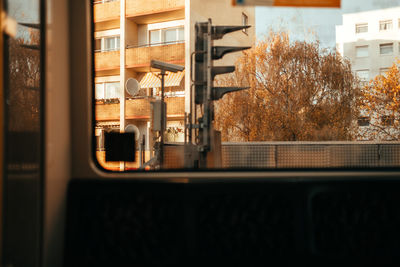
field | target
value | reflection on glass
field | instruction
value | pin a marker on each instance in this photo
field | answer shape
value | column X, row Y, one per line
column 316, row 90
column 23, row 180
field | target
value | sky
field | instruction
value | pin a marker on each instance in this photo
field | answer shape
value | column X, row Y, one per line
column 302, row 23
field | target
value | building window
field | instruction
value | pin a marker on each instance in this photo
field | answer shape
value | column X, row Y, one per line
column 362, row 51
column 385, row 25
column 363, row 121
column 105, row 44
column 387, row 120
column 166, row 36
column 362, row 27
column 382, row 71
column 386, row 49
column 363, row 75
column 109, row 90
column 245, row 21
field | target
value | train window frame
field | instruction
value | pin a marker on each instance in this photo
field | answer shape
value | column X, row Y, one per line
column 85, row 164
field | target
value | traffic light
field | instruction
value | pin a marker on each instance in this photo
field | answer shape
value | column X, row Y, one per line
column 205, row 73
column 205, row 53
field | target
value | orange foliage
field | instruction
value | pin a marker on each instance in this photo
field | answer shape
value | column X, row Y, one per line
column 297, row 92
column 381, row 101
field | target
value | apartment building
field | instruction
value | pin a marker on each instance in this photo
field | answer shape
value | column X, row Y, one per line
column 128, row 34
column 371, row 41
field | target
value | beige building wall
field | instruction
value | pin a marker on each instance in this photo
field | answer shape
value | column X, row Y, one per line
column 222, row 13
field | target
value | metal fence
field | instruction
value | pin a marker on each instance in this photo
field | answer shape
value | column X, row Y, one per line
column 310, row 154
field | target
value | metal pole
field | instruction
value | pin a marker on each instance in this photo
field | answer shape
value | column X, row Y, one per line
column 122, row 99
column 163, row 118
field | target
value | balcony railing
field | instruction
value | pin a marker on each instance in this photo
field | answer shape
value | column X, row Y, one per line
column 145, row 7
column 104, row 1
column 141, row 56
column 156, row 44
column 139, row 108
column 106, row 50
column 106, row 60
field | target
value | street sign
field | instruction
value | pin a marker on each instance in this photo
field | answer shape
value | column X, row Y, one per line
column 288, row 3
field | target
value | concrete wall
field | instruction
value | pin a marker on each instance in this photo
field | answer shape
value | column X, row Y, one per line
column 142, row 34
column 131, row 33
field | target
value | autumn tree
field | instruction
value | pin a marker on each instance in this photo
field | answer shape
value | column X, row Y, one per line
column 298, row 92
column 381, row 103
column 23, row 95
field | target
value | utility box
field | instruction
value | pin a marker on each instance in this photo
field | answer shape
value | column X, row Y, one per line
column 158, row 115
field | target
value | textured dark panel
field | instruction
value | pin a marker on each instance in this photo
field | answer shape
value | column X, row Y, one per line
column 113, row 224
column 356, row 220
column 133, row 223
column 244, row 225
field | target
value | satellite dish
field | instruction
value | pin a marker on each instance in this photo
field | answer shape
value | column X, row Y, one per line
column 132, row 86
column 130, row 128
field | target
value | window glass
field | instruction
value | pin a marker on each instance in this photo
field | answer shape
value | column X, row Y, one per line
column 363, row 75
column 363, row 121
column 362, row 28
column 385, row 25
column 111, row 43
column 112, row 90
column 170, row 35
column 314, row 90
column 99, row 91
column 383, row 71
column 155, row 37
column 181, row 34
column 362, row 51
column 386, row 49
column 387, row 120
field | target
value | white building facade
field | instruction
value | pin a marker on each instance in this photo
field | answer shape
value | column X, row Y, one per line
column 371, row 41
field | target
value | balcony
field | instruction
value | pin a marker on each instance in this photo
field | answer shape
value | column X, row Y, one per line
column 140, row 109
column 106, row 11
column 139, row 58
column 151, row 11
column 106, row 60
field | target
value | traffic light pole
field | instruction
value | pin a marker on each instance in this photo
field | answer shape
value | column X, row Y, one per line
column 207, row 140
